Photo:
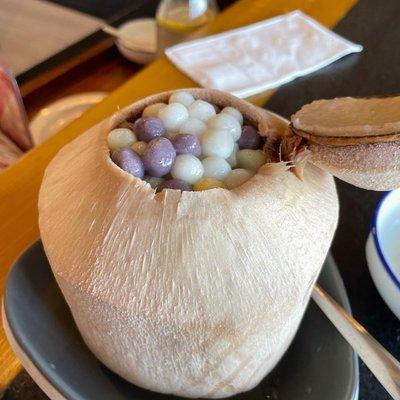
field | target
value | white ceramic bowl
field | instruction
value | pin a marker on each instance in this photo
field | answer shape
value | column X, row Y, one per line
column 383, row 249
column 143, row 33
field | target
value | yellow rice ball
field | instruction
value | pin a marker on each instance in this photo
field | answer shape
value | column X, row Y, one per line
column 208, row 183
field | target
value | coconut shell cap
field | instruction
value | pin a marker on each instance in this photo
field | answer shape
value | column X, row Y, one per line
column 355, row 139
column 198, row 294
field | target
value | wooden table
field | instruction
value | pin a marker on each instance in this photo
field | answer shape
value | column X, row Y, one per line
column 19, row 184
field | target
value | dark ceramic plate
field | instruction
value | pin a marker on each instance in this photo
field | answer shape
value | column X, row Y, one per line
column 318, row 365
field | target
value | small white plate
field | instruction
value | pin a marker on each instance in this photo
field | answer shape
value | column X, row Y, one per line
column 143, row 33
column 55, row 116
column 383, row 250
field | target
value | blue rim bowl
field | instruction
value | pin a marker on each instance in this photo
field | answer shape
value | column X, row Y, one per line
column 385, row 277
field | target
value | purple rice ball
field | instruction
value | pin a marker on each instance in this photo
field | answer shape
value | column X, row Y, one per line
column 250, row 138
column 148, row 128
column 186, row 143
column 129, row 161
column 159, row 157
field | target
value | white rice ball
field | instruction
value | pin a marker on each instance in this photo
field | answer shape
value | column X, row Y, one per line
column 120, row 137
column 234, row 113
column 193, row 126
column 227, row 122
column 217, row 142
column 182, row 97
column 232, row 159
column 251, row 159
column 216, row 167
column 202, row 110
column 153, row 180
column 188, row 168
column 153, row 109
column 173, row 116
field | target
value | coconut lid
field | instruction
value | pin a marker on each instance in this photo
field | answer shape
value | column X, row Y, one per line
column 348, row 121
column 355, row 139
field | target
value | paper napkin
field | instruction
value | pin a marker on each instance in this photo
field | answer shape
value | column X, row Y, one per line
column 261, row 56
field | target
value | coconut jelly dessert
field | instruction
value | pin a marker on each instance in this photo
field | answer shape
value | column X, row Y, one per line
column 188, row 144
column 192, row 291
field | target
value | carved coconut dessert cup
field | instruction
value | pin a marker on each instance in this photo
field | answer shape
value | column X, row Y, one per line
column 198, row 294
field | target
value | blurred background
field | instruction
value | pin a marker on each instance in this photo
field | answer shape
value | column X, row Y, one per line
column 52, row 50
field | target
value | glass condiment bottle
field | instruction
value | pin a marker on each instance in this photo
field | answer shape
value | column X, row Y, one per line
column 176, row 19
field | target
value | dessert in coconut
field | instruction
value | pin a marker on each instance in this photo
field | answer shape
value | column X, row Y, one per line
column 189, row 275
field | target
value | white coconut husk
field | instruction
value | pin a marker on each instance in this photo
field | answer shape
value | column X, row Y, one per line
column 198, row 294
column 357, row 140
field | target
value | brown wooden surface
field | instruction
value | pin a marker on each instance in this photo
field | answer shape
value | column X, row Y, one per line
column 20, row 183
column 78, row 61
column 104, row 72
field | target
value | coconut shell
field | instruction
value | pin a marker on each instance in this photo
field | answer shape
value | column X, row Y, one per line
column 371, row 166
column 373, row 119
column 198, row 294
column 355, row 139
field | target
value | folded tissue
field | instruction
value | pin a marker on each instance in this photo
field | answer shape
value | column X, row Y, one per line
column 261, row 56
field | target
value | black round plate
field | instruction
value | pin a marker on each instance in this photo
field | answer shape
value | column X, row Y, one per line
column 318, row 365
